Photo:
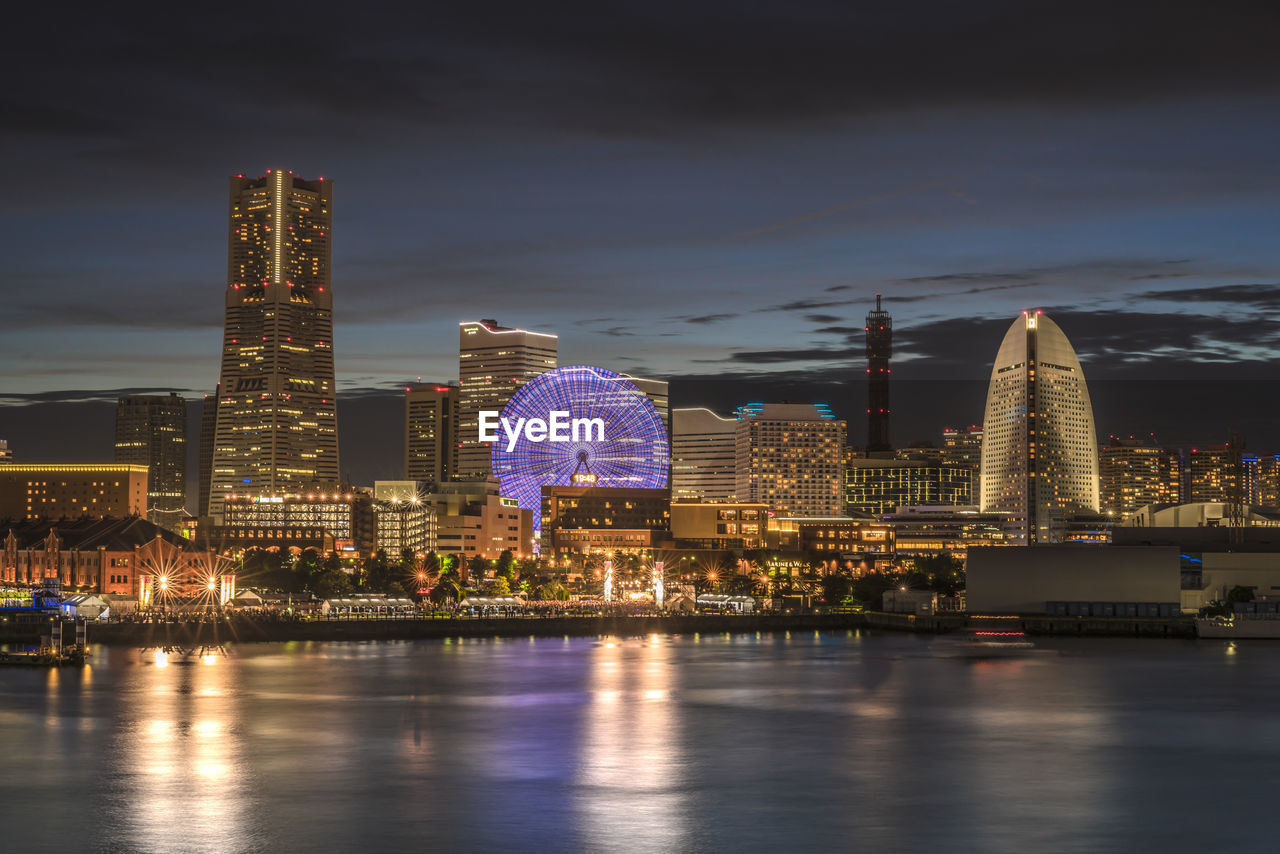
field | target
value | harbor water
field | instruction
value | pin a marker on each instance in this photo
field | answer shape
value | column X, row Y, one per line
column 848, row 741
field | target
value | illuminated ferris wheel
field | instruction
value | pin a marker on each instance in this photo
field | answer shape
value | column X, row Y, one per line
column 612, row 436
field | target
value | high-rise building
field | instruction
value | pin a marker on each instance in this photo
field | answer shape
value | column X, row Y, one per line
column 1222, row 473
column 151, row 430
column 1269, row 480
column 789, row 457
column 277, row 419
column 658, row 392
column 878, row 487
column 431, row 432
column 879, row 349
column 1039, row 447
column 963, row 447
column 208, row 425
column 6, row 455
column 493, row 361
column 703, row 448
column 1133, row 473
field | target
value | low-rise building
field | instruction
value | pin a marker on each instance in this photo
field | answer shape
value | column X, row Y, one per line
column 98, row 555
column 923, row 531
column 719, row 525
column 838, row 537
column 587, row 519
column 1028, row 579
column 473, row 519
column 71, row 491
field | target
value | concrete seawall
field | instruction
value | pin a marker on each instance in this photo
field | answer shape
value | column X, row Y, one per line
column 247, row 630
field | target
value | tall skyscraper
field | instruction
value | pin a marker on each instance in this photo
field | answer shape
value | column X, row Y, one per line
column 151, row 430
column 1039, row 447
column 789, row 457
column 493, row 361
column 879, row 349
column 702, row 455
column 208, row 424
column 6, row 454
column 277, row 420
column 431, row 432
column 1133, row 473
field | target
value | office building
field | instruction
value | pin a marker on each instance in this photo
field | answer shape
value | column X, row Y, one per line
column 877, row 487
column 703, row 453
column 151, row 431
column 719, row 525
column 879, row 349
column 69, row 491
column 277, row 417
column 493, row 361
column 402, row 520
column 788, row 456
column 474, row 520
column 1039, row 448
column 585, row 519
column 6, row 453
column 1222, row 473
column 925, row 531
column 431, row 432
column 344, row 513
column 208, row 425
column 1133, row 473
column 962, row 446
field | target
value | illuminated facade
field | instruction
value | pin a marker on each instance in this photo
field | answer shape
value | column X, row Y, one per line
column 431, row 432
column 55, row 491
column 276, row 424
column 1039, row 447
column 593, row 519
column 878, row 487
column 105, row 555
column 963, row 447
column 493, row 362
column 703, row 455
column 1222, row 473
column 789, row 457
column 719, row 525
column 151, row 431
column 1134, row 473
column 346, row 515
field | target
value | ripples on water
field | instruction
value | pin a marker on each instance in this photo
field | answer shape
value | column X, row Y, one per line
column 661, row 744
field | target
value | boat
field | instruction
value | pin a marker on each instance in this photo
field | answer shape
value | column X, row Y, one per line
column 983, row 643
column 45, row 656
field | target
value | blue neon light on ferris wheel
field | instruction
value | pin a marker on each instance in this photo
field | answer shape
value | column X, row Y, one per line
column 634, row 452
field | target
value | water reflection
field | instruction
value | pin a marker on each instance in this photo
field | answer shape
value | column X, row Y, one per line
column 182, row 782
column 632, row 767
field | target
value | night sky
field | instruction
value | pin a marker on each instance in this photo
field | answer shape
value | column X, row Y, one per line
column 711, row 193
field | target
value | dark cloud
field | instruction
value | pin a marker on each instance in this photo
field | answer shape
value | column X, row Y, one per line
column 806, row 305
column 1264, row 296
column 709, row 318
column 83, row 395
column 1112, row 344
column 823, row 318
column 634, row 68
